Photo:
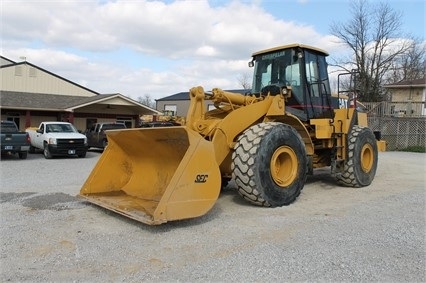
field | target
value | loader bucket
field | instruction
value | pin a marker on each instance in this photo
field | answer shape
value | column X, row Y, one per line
column 155, row 175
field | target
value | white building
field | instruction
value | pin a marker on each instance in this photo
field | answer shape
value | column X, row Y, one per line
column 30, row 94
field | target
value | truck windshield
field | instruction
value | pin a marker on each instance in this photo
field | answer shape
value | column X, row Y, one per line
column 113, row 126
column 272, row 68
column 60, row 128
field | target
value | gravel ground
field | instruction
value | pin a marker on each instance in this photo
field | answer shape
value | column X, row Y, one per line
column 330, row 233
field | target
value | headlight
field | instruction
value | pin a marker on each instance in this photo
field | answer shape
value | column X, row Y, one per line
column 52, row 141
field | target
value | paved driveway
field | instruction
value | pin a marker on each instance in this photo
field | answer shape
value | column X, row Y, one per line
column 330, row 233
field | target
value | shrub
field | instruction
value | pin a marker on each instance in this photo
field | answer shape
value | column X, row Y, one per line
column 415, row 148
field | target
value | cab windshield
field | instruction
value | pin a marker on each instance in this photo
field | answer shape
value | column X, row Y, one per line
column 275, row 68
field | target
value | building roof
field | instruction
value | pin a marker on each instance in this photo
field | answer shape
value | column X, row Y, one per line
column 408, row 84
column 177, row 96
column 54, row 102
column 37, row 101
column 185, row 95
column 5, row 61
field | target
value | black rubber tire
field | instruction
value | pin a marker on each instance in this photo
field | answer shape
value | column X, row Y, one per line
column 360, row 167
column 253, row 158
column 82, row 155
column 46, row 152
column 23, row 154
column 32, row 149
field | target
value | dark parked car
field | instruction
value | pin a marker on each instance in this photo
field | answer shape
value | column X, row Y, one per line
column 14, row 141
column 96, row 136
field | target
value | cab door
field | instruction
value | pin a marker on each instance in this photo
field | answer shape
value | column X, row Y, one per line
column 91, row 135
column 39, row 137
column 317, row 86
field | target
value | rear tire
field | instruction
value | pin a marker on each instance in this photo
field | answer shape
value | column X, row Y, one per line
column 360, row 167
column 270, row 164
column 23, row 154
column 32, row 149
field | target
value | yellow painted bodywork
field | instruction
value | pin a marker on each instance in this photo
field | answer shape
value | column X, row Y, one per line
column 323, row 128
column 381, row 145
column 155, row 175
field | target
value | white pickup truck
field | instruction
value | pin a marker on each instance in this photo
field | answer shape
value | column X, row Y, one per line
column 57, row 139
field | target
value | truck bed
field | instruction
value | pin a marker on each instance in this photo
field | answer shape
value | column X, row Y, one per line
column 13, row 141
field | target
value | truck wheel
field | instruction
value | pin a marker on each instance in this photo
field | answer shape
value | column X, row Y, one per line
column 32, row 149
column 360, row 167
column 270, row 164
column 82, row 155
column 23, row 154
column 46, row 152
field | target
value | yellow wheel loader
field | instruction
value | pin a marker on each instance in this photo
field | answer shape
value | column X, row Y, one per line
column 267, row 141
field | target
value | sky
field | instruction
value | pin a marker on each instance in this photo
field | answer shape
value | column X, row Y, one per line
column 159, row 48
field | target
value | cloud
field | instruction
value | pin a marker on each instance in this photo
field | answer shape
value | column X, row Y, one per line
column 146, row 47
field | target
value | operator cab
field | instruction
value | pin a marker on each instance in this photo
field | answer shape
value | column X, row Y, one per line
column 299, row 72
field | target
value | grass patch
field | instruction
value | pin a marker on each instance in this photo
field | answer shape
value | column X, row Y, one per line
column 416, row 148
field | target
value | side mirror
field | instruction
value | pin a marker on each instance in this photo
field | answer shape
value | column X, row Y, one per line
column 251, row 64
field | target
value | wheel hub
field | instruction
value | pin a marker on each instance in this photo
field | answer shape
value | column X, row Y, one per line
column 367, row 158
column 284, row 166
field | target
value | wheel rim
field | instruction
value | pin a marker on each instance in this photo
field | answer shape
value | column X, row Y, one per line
column 284, row 165
column 367, row 158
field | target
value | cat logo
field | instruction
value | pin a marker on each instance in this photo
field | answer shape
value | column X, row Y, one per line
column 201, row 178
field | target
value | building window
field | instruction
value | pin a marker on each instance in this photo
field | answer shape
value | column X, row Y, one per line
column 18, row 70
column 15, row 118
column 90, row 122
column 168, row 113
column 171, row 109
column 33, row 72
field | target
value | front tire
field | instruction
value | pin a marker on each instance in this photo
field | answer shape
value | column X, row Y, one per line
column 270, row 164
column 46, row 152
column 362, row 157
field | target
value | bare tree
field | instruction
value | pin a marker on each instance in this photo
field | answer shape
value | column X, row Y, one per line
column 146, row 100
column 374, row 37
column 244, row 80
column 411, row 65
